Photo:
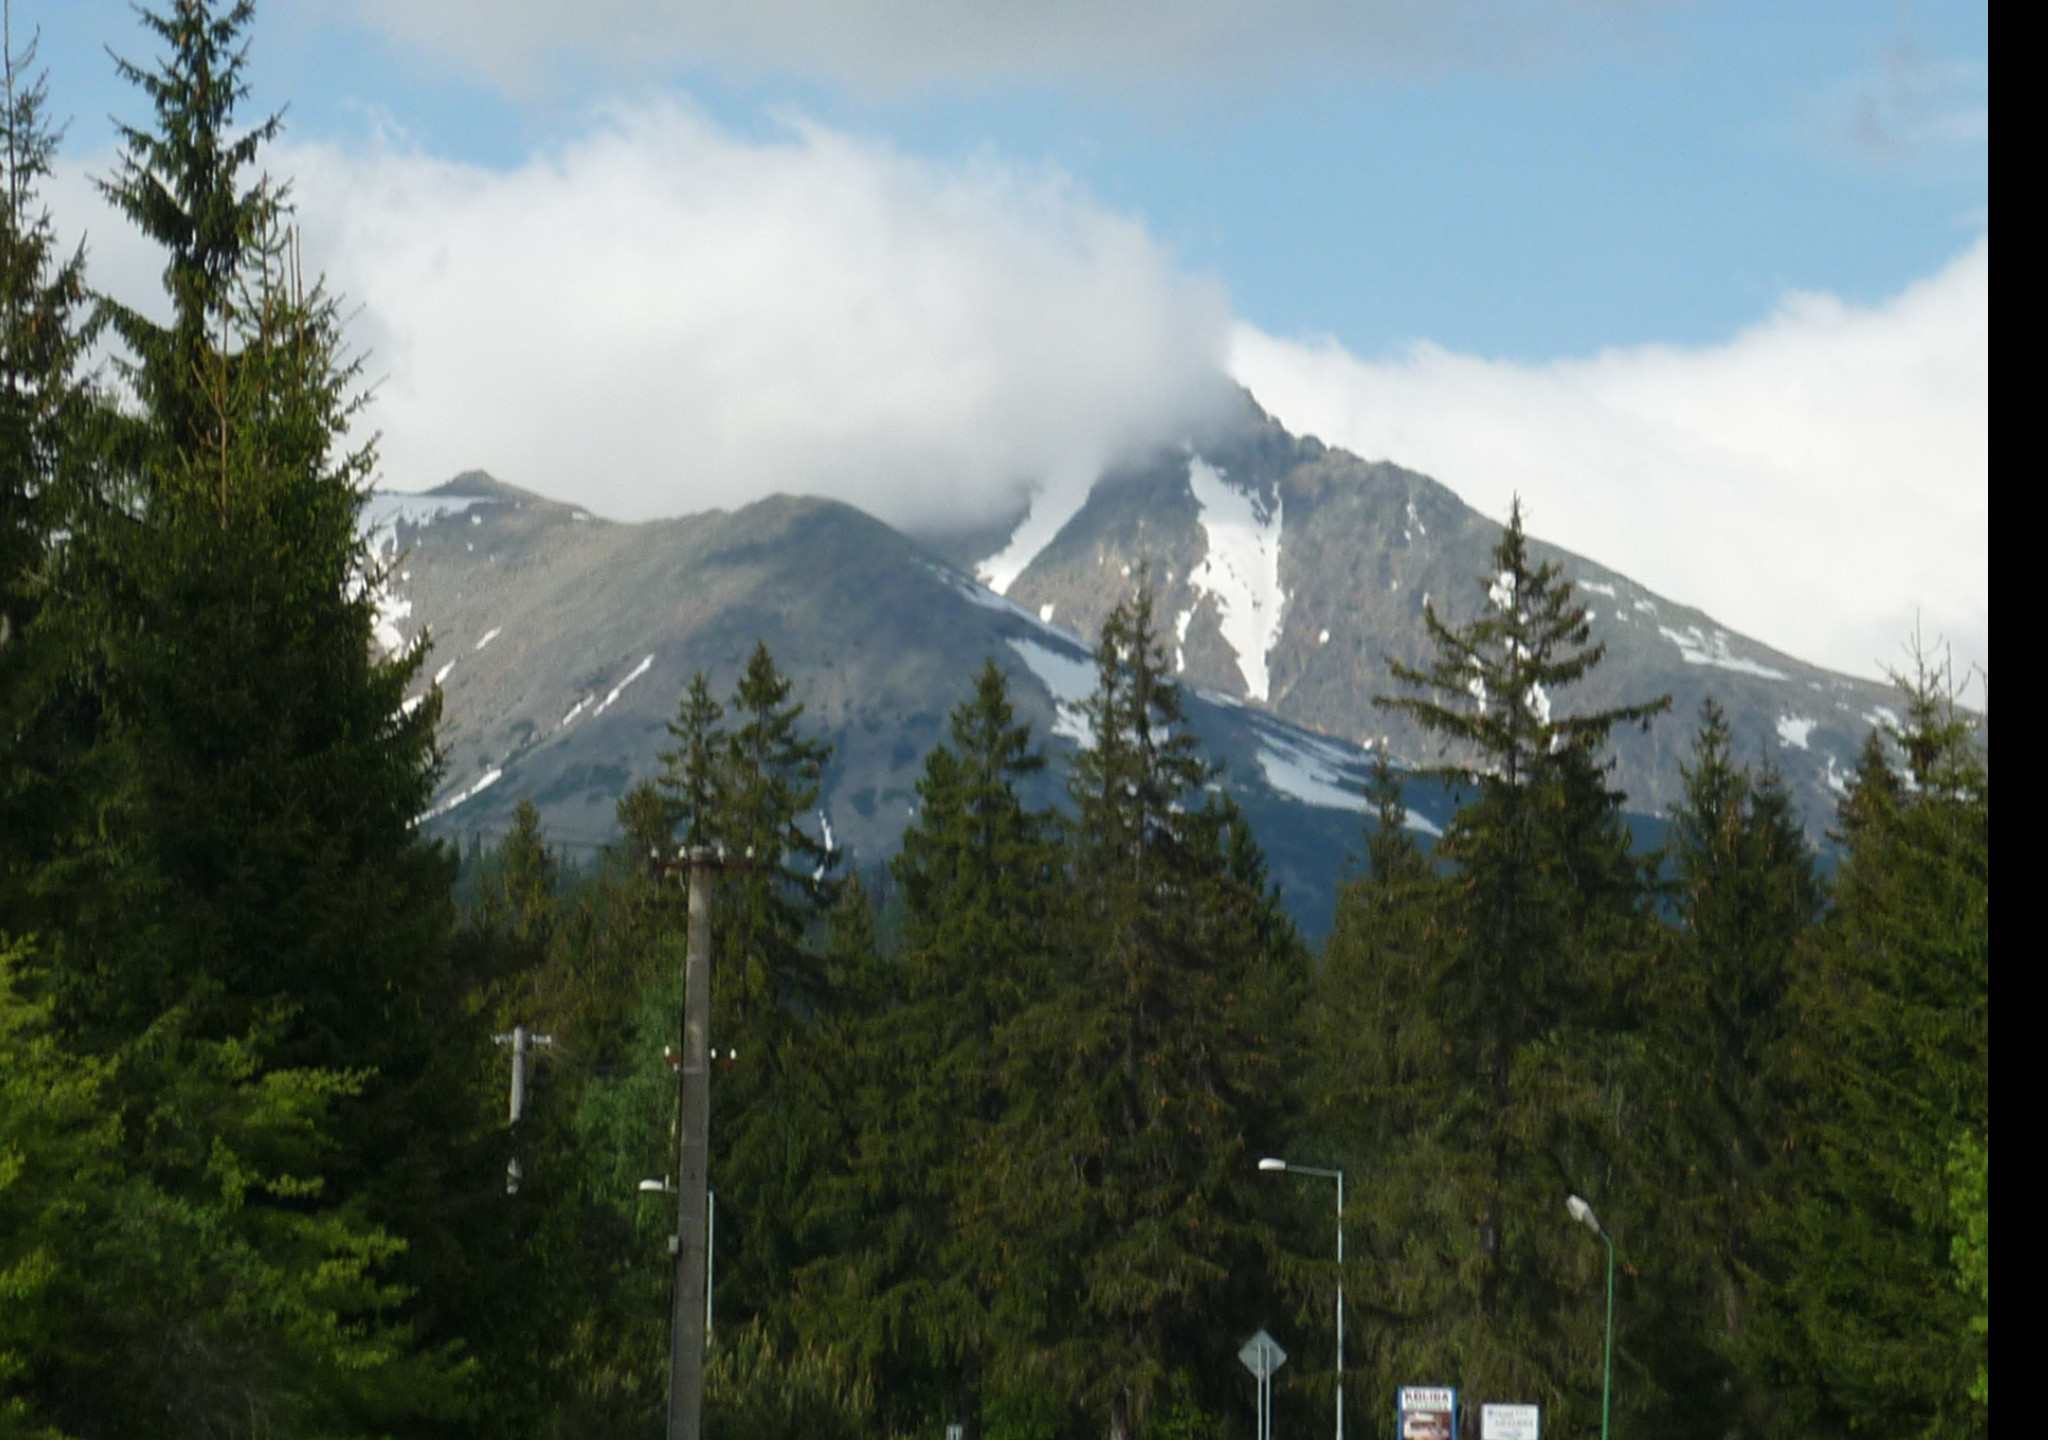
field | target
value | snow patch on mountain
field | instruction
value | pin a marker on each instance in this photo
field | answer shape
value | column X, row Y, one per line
column 1836, row 780
column 1069, row 679
column 490, row 778
column 617, row 690
column 1794, row 731
column 384, row 512
column 979, row 594
column 489, row 635
column 390, row 609
column 1241, row 570
column 1697, row 647
column 1297, row 771
column 1051, row 508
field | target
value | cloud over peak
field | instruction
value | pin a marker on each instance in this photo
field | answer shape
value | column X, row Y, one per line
column 662, row 317
column 1821, row 481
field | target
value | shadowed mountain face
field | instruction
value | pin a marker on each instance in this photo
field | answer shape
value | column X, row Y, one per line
column 1285, row 571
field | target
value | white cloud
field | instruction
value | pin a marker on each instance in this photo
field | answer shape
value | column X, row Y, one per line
column 662, row 318
column 895, row 42
column 1817, row 482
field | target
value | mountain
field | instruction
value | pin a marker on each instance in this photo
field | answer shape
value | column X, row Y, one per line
column 1294, row 571
column 562, row 642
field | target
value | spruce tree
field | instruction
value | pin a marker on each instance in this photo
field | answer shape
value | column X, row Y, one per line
column 1745, row 894
column 46, row 419
column 265, row 777
column 240, row 906
column 1115, row 1188
column 517, row 887
column 1870, row 1332
column 1522, row 1020
column 1374, row 1089
column 979, row 872
column 691, row 772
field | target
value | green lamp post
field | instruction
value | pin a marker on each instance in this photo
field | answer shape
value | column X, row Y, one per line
column 1583, row 1213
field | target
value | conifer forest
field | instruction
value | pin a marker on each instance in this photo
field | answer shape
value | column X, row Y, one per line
column 986, row 1119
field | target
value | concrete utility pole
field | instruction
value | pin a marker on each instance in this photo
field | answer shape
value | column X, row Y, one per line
column 687, row 1323
column 521, row 1040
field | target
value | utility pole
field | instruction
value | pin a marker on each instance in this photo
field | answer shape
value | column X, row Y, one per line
column 521, row 1040
column 692, row 1253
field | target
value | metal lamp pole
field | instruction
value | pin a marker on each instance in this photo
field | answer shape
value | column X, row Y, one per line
column 1275, row 1166
column 1583, row 1213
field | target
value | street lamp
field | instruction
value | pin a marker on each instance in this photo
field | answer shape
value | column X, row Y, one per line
column 1273, row 1165
column 1583, row 1213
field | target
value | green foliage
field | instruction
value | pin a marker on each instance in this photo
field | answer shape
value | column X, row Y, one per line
column 46, row 422
column 190, row 1228
column 977, row 872
column 1869, row 1331
column 1969, row 1195
column 753, row 1392
column 1745, row 896
column 1115, row 1188
column 1480, row 1060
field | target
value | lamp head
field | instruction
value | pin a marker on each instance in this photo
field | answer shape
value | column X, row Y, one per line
column 1583, row 1213
column 653, row 1187
column 1272, row 1164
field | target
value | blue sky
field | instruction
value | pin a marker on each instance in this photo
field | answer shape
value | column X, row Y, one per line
column 1403, row 225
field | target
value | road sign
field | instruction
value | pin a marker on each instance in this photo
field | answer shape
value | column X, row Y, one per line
column 1428, row 1412
column 1510, row 1422
column 1262, row 1355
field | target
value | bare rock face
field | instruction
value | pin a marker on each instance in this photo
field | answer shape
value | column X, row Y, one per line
column 1285, row 575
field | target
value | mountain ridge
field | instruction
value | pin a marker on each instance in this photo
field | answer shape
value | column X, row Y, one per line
column 562, row 641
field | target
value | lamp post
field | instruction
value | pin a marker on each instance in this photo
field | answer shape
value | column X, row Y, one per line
column 1583, row 1213
column 1275, row 1166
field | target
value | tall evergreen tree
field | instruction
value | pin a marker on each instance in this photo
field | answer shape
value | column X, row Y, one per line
column 517, row 888
column 267, row 778
column 978, row 873
column 45, row 417
column 1525, row 1010
column 1745, row 894
column 691, row 772
column 775, row 1130
column 1375, row 1088
column 1116, row 1183
column 1871, row 1334
column 240, row 905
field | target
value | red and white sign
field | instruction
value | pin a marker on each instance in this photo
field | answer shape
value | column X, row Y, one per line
column 1428, row 1412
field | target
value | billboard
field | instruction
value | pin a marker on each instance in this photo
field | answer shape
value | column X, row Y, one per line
column 1510, row 1422
column 1427, row 1412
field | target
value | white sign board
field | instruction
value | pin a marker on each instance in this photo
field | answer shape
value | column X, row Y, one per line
column 1510, row 1422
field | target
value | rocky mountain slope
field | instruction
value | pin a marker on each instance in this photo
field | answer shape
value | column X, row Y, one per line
column 1293, row 571
column 562, row 644
column 1288, row 571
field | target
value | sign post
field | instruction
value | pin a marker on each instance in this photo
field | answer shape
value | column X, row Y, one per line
column 1428, row 1412
column 1510, row 1422
column 1262, row 1356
